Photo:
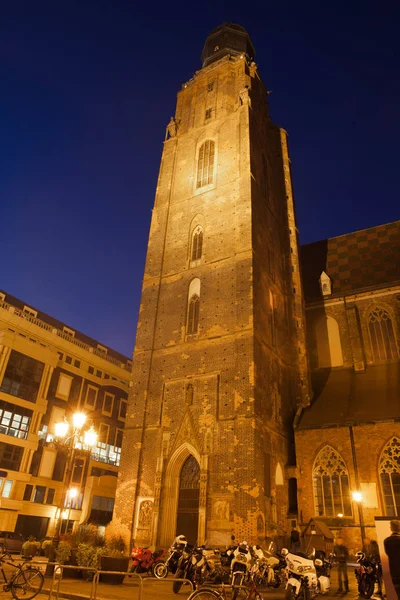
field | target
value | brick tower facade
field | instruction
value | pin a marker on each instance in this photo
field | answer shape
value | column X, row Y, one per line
column 219, row 363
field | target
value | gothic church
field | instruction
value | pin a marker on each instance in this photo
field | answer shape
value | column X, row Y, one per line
column 221, row 380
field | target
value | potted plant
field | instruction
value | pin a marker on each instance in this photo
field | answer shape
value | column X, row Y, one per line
column 31, row 547
column 89, row 555
column 115, row 556
column 63, row 552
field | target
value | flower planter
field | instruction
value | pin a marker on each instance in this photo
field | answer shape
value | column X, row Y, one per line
column 114, row 563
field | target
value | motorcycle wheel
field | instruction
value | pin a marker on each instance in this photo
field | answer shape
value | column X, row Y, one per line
column 159, row 570
column 237, row 580
column 289, row 593
column 366, row 587
column 176, row 586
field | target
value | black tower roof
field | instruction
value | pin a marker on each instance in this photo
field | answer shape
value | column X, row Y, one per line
column 228, row 38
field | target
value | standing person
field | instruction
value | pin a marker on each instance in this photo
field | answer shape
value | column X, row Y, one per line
column 392, row 549
column 295, row 541
column 342, row 554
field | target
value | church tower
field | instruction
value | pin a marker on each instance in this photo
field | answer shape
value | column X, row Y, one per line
column 219, row 363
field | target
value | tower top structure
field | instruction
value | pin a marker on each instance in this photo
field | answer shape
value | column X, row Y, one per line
column 227, row 38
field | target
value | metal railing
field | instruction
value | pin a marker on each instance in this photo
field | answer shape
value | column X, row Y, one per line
column 54, row 590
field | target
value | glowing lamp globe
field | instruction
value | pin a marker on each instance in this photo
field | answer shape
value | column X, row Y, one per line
column 90, row 437
column 357, row 496
column 78, row 420
column 61, row 429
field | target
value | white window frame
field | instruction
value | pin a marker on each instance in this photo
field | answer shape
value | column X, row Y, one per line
column 103, row 410
column 91, row 387
column 30, row 311
column 69, row 331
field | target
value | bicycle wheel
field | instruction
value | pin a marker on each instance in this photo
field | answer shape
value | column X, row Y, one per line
column 27, row 584
column 205, row 594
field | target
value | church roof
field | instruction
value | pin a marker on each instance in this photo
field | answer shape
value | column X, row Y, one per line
column 344, row 397
column 364, row 259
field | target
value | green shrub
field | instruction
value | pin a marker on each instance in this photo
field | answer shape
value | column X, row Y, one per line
column 89, row 556
column 63, row 552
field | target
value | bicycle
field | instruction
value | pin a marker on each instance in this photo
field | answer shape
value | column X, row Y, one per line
column 208, row 593
column 25, row 583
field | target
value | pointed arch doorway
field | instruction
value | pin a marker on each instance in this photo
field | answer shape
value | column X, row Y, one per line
column 187, row 520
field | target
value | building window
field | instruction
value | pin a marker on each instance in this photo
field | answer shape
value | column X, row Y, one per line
column 10, row 457
column 50, row 496
column 122, row 410
column 28, row 492
column 91, row 396
column 382, row 335
column 103, row 433
column 22, row 377
column 108, row 403
column 210, row 86
column 193, row 315
column 197, row 243
column 7, row 487
column 27, row 310
column 205, row 165
column 208, row 113
column 14, row 420
column 389, row 470
column 68, row 331
column 119, row 434
column 38, row 496
column 331, row 484
column 68, row 360
column 91, row 370
column 63, row 386
column 77, row 472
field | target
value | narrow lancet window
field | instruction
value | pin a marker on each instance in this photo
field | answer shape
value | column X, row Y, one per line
column 197, row 244
column 205, row 166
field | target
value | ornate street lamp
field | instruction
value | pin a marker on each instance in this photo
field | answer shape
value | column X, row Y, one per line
column 72, row 437
column 358, row 498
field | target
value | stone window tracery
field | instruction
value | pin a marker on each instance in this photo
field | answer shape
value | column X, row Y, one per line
column 205, row 164
column 197, row 243
column 331, row 484
column 389, row 471
column 382, row 334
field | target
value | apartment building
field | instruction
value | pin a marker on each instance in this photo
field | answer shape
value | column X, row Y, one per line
column 48, row 372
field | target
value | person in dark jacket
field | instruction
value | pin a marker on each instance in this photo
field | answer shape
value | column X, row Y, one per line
column 342, row 554
column 392, row 549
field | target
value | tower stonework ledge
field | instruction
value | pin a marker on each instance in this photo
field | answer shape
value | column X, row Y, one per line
column 219, row 364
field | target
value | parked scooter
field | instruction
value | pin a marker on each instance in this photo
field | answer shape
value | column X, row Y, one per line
column 144, row 560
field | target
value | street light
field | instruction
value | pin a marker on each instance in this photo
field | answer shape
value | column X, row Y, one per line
column 358, row 498
column 71, row 437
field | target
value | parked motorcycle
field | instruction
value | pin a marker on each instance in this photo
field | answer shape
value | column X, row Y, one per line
column 144, row 560
column 368, row 573
column 302, row 580
column 189, row 561
column 240, row 567
column 265, row 571
column 170, row 564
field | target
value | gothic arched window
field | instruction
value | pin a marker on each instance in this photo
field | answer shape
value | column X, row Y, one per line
column 382, row 334
column 193, row 310
column 205, row 164
column 197, row 243
column 389, row 470
column 189, row 395
column 331, row 484
column 193, row 314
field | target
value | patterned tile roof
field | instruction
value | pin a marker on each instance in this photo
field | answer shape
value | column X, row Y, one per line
column 363, row 259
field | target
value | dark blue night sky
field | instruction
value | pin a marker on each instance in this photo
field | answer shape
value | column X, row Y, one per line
column 87, row 88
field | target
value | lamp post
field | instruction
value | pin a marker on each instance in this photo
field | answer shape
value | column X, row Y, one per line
column 358, row 498
column 72, row 437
